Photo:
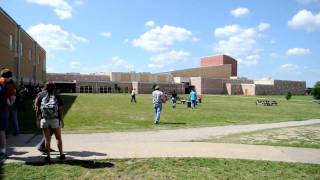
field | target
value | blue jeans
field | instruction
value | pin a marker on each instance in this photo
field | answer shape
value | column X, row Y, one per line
column 157, row 111
column 193, row 104
column 14, row 119
column 4, row 120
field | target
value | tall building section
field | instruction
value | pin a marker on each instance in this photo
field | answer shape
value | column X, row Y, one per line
column 20, row 52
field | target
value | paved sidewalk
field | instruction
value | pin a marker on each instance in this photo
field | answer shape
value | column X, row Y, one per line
column 166, row 143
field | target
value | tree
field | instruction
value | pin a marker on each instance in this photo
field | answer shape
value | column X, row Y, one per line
column 289, row 95
column 316, row 90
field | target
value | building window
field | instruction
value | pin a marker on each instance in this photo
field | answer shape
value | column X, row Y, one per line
column 86, row 89
column 38, row 60
column 21, row 49
column 103, row 89
column 11, row 42
column 30, row 54
column 44, row 64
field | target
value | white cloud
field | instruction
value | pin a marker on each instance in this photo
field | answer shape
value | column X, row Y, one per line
column 53, row 37
column 289, row 68
column 275, row 55
column 79, row 2
column 168, row 58
column 273, row 41
column 308, row 1
column 263, row 26
column 118, row 62
column 61, row 7
column 226, row 31
column 305, row 20
column 162, row 38
column 240, row 42
column 106, row 34
column 150, row 23
column 298, row 52
column 239, row 12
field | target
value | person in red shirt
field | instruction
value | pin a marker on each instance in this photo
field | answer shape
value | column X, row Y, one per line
column 7, row 98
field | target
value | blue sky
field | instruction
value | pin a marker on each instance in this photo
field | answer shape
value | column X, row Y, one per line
column 270, row 39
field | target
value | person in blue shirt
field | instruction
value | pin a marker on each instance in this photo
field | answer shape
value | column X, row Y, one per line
column 193, row 98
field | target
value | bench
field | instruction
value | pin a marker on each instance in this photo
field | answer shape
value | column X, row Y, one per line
column 182, row 101
column 266, row 102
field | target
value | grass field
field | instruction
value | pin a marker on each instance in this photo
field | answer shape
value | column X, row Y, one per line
column 163, row 168
column 301, row 136
column 87, row 113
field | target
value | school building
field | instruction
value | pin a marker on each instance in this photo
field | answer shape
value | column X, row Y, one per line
column 216, row 75
column 20, row 53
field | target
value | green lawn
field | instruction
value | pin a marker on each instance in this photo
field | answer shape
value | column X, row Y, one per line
column 114, row 112
column 301, row 136
column 163, row 168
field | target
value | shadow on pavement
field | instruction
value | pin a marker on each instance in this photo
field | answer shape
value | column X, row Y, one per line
column 85, row 153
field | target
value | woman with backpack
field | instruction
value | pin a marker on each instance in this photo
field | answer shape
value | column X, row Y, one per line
column 50, row 115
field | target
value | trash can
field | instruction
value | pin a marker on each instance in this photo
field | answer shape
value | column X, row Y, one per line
column 189, row 104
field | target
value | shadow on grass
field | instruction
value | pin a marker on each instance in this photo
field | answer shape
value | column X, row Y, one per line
column 68, row 100
column 89, row 164
column 26, row 115
column 173, row 123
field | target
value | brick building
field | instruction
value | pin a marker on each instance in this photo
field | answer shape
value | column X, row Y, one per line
column 20, row 52
column 216, row 75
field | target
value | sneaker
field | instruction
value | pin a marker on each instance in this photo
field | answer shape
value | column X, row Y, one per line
column 62, row 157
column 42, row 150
column 47, row 159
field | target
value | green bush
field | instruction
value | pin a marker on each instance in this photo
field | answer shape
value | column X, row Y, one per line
column 289, row 95
column 316, row 90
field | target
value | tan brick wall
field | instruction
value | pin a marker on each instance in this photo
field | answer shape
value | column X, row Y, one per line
column 223, row 71
column 26, row 63
column 41, row 70
column 77, row 77
column 125, row 77
column 146, row 88
column 144, row 77
column 7, row 56
column 282, row 87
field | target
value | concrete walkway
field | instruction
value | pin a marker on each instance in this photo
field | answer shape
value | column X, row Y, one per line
column 166, row 143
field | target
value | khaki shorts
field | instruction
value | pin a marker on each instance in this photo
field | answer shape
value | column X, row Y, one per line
column 49, row 123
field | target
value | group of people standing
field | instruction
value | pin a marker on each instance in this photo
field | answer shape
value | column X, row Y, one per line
column 48, row 108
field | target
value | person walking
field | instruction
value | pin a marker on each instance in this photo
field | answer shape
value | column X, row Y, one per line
column 193, row 98
column 13, row 110
column 174, row 99
column 157, row 100
column 7, row 97
column 41, row 146
column 133, row 96
column 50, row 115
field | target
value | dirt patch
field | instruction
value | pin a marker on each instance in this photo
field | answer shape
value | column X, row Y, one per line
column 304, row 136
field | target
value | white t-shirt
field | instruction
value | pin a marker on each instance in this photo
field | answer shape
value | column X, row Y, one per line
column 157, row 97
column 133, row 92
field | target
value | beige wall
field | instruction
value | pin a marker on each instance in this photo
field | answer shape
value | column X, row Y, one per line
column 26, row 63
column 10, row 57
column 7, row 56
column 223, row 71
